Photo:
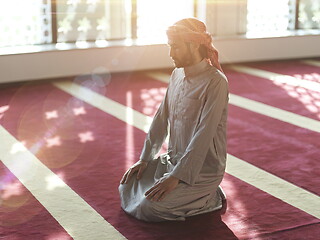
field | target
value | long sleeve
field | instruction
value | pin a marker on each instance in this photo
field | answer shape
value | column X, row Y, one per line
column 157, row 133
column 190, row 164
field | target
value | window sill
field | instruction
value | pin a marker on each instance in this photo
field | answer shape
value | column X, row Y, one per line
column 16, row 50
column 76, row 46
column 266, row 35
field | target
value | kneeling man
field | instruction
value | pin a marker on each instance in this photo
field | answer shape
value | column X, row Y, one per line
column 185, row 181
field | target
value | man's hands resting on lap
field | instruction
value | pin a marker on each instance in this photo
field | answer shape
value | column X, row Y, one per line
column 162, row 188
column 159, row 190
column 139, row 167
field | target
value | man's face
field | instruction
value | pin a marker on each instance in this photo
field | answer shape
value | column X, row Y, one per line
column 180, row 53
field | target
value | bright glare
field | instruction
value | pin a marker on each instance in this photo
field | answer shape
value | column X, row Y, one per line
column 54, row 181
column 267, row 17
column 155, row 16
column 152, row 99
column 82, row 44
column 11, row 190
column 52, row 114
column 129, row 131
column 21, row 18
column 86, row 137
column 3, row 109
column 309, row 97
column 55, row 141
column 79, row 111
column 18, row 147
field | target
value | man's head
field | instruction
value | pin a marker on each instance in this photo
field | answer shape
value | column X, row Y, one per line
column 190, row 42
column 184, row 54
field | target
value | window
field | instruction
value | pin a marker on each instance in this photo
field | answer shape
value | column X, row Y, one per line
column 95, row 20
column 274, row 16
column 269, row 16
column 31, row 22
column 91, row 20
column 151, row 20
column 309, row 14
column 25, row 22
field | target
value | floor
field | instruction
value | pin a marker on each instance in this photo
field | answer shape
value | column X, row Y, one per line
column 64, row 145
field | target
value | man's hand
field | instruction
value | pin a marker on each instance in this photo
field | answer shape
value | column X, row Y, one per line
column 161, row 188
column 137, row 167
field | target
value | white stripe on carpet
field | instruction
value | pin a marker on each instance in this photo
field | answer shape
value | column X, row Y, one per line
column 261, row 108
column 75, row 215
column 275, row 186
column 279, row 188
column 311, row 62
column 277, row 78
column 105, row 104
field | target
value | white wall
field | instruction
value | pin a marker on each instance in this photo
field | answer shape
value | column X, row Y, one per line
column 58, row 63
column 244, row 50
column 50, row 64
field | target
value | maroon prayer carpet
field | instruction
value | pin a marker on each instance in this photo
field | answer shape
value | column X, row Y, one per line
column 89, row 150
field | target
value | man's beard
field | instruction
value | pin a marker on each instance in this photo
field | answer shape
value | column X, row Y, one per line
column 185, row 61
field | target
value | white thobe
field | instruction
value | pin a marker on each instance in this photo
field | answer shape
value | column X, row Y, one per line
column 194, row 110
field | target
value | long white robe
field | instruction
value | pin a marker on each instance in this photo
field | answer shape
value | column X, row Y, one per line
column 194, row 110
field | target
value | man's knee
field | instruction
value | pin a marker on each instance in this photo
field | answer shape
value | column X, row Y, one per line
column 152, row 211
column 122, row 188
column 149, row 206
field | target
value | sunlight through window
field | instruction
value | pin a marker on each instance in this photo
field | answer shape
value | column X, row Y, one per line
column 25, row 22
column 12, row 189
column 86, row 137
column 309, row 14
column 79, row 111
column 154, row 17
column 3, row 109
column 152, row 99
column 55, row 141
column 310, row 77
column 54, row 181
column 129, row 131
column 268, row 17
column 18, row 147
column 91, row 20
column 52, row 114
column 309, row 97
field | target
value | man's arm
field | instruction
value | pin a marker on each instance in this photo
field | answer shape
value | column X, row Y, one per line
column 153, row 142
column 189, row 166
column 157, row 133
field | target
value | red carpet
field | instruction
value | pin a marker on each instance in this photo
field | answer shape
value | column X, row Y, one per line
column 93, row 163
column 21, row 215
column 300, row 70
column 265, row 91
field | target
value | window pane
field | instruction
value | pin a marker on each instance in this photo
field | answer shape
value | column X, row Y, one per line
column 25, row 22
column 90, row 20
column 309, row 14
column 155, row 16
column 268, row 16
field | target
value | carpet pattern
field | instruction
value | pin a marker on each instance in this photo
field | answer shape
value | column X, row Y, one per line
column 90, row 149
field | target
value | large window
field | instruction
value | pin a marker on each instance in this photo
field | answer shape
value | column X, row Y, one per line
column 25, row 22
column 274, row 16
column 270, row 16
column 309, row 14
column 151, row 20
column 95, row 20
column 91, row 20
column 31, row 22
